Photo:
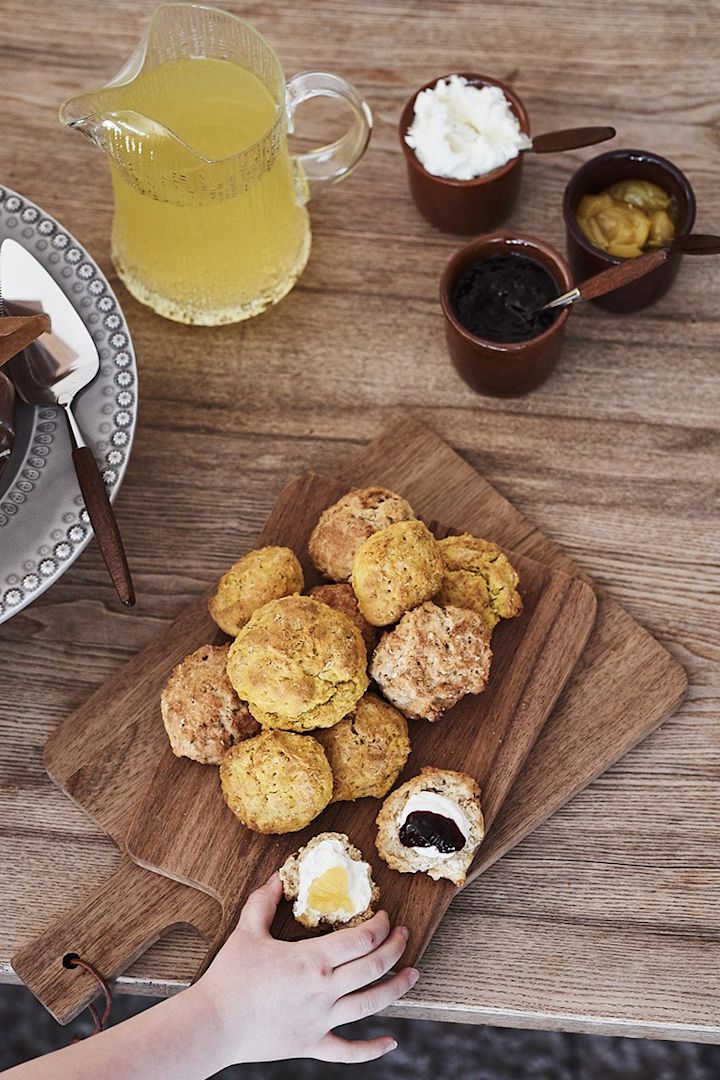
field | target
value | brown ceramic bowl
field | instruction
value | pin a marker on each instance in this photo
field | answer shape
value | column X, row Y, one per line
column 586, row 259
column 465, row 206
column 491, row 367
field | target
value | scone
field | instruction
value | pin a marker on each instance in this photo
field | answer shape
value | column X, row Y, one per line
column 366, row 750
column 202, row 714
column 299, row 664
column 395, row 570
column 433, row 824
column 262, row 575
column 342, row 598
column 276, row 782
column 433, row 657
column 329, row 882
column 480, row 577
column 344, row 525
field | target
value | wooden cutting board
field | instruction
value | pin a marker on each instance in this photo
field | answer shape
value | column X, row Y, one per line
column 624, row 686
column 184, row 829
column 105, row 769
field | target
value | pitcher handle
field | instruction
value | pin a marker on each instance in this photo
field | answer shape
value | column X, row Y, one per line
column 337, row 159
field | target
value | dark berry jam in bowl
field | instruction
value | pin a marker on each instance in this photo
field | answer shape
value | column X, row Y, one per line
column 483, row 305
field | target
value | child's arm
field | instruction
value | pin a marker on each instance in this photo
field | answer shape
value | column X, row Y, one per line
column 260, row 1000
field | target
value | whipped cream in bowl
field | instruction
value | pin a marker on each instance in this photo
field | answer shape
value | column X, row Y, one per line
column 461, row 130
column 463, row 137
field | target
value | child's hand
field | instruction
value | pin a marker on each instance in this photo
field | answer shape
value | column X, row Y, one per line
column 277, row 999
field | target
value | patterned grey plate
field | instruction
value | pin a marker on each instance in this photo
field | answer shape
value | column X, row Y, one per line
column 43, row 523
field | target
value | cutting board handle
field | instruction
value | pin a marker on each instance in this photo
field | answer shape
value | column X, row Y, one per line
column 110, row 928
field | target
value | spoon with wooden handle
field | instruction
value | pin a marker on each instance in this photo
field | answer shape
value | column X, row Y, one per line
column 695, row 244
column 569, row 139
column 18, row 331
column 612, row 278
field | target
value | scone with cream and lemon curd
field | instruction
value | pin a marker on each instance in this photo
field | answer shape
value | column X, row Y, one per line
column 432, row 658
column 299, row 664
column 276, row 782
column 366, row 750
column 344, row 525
column 262, row 575
column 202, row 714
column 480, row 577
column 329, row 882
column 395, row 570
column 433, row 824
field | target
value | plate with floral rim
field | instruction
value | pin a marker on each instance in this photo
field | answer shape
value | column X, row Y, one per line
column 44, row 525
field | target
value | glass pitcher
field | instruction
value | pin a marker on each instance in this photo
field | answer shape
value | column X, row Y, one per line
column 210, row 222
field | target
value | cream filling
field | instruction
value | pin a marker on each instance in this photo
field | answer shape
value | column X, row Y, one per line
column 433, row 803
column 461, row 131
column 323, row 857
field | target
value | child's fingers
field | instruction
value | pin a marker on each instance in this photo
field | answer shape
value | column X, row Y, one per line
column 370, row 968
column 373, row 999
column 260, row 906
column 352, row 1051
column 345, row 945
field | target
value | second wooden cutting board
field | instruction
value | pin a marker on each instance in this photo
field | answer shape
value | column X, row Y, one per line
column 183, row 828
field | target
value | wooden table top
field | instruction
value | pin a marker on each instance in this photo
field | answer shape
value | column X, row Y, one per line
column 606, row 919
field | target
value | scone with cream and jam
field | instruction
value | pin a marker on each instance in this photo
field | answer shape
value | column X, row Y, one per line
column 353, row 518
column 395, row 570
column 202, row 714
column 479, row 576
column 276, row 782
column 262, row 575
column 366, row 750
column 432, row 658
column 329, row 883
column 299, row 664
column 432, row 824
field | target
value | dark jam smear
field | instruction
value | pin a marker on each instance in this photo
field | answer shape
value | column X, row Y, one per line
column 497, row 298
column 422, row 828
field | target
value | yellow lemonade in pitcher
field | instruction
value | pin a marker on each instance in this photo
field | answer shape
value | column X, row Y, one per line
column 210, row 221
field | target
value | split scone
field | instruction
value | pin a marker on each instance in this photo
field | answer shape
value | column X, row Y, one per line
column 395, row 570
column 262, row 575
column 329, row 882
column 366, row 750
column 342, row 598
column 202, row 714
column 344, row 525
column 276, row 782
column 299, row 664
column 480, row 577
column 433, row 657
column 433, row 824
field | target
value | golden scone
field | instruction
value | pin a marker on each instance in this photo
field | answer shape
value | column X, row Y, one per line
column 433, row 657
column 344, row 525
column 276, row 782
column 262, row 575
column 202, row 714
column 480, row 577
column 342, row 598
column 329, row 882
column 299, row 664
column 395, row 570
column 432, row 824
column 366, row 750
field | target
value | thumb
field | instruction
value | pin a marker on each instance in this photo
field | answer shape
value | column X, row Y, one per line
column 260, row 907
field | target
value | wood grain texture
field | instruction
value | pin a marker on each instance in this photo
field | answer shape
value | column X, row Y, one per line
column 606, row 918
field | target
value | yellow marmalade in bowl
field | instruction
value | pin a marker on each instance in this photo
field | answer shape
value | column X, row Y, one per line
column 627, row 217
